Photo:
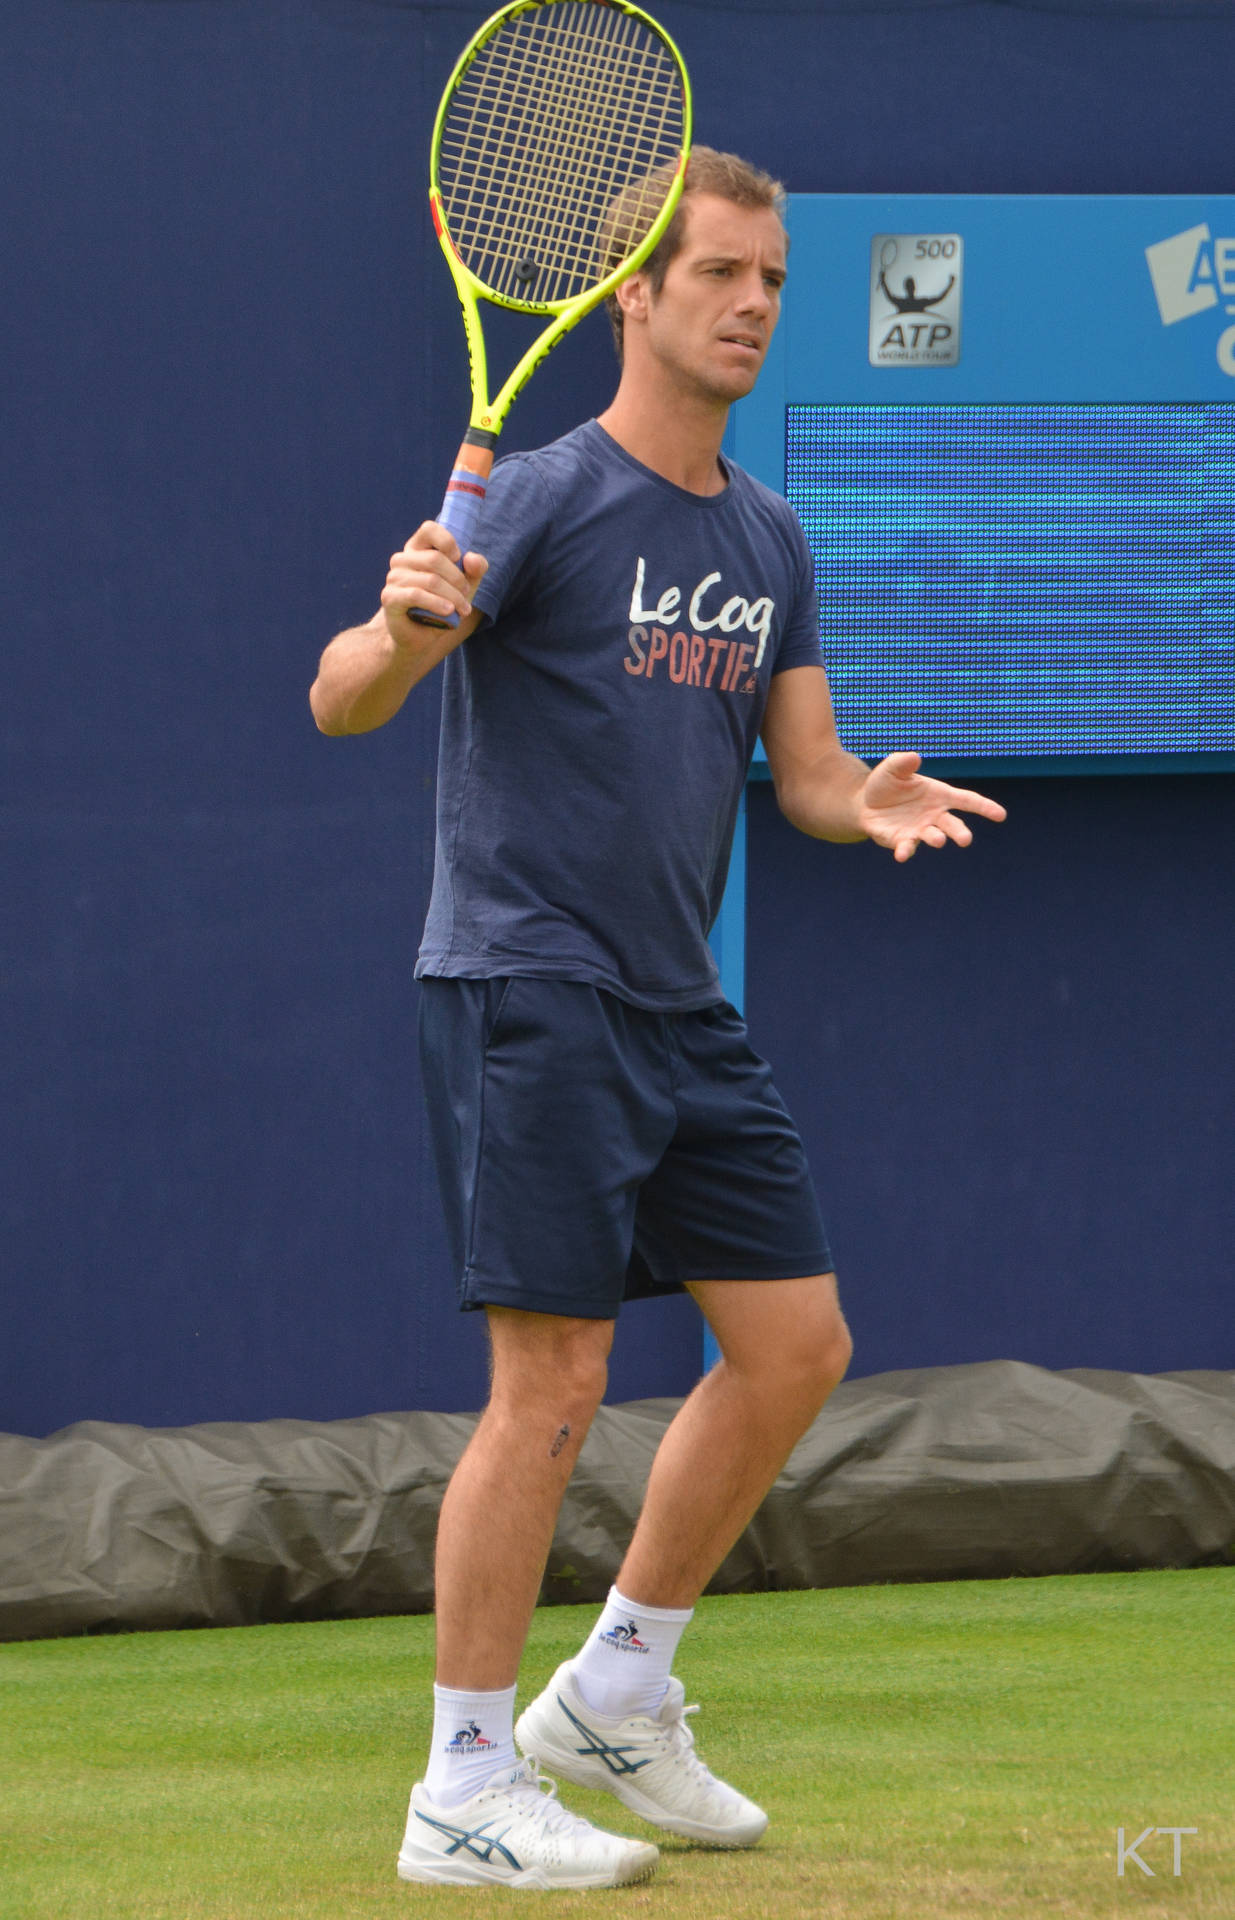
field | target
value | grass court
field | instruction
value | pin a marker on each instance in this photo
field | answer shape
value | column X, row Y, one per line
column 924, row 1751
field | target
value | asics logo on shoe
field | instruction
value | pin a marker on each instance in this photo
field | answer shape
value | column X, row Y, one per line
column 474, row 1840
column 469, row 1739
column 626, row 1639
column 614, row 1757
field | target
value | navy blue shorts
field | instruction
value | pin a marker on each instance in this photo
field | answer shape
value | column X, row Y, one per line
column 590, row 1152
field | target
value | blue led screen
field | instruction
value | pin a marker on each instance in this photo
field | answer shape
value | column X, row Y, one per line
column 1017, row 580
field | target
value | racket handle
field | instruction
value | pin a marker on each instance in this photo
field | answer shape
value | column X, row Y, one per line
column 461, row 508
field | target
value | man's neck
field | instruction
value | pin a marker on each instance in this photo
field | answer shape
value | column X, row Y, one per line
column 681, row 444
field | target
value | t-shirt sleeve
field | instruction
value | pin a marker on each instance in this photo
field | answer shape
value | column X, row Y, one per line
column 799, row 640
column 517, row 509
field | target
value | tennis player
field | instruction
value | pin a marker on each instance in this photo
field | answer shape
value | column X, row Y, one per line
column 643, row 611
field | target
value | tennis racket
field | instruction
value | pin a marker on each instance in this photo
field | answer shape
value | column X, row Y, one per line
column 559, row 154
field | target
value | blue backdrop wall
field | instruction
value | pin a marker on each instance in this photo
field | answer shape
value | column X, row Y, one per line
column 234, row 378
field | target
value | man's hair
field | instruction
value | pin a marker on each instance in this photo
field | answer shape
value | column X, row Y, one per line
column 632, row 213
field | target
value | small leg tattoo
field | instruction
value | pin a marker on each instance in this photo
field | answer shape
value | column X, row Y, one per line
column 563, row 1435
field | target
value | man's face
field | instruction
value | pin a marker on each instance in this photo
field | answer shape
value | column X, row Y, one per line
column 710, row 324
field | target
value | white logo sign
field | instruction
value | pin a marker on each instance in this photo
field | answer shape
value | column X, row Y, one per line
column 915, row 304
column 1192, row 272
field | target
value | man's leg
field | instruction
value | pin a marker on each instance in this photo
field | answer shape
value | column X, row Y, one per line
column 494, row 1533
column 479, row 1817
column 784, row 1346
column 501, row 1507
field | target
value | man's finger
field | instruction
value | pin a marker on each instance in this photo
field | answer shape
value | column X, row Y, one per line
column 431, row 534
column 424, row 560
column 976, row 803
column 400, row 599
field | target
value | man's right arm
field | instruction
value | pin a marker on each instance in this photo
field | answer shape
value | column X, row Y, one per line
column 366, row 673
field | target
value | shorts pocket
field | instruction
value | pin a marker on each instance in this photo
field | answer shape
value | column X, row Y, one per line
column 497, row 1006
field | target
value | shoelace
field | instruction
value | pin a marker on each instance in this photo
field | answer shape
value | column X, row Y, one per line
column 682, row 1740
column 556, row 1817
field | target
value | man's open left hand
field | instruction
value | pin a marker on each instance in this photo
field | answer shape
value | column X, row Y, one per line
column 903, row 809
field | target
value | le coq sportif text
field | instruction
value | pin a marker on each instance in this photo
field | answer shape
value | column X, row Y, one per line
column 706, row 656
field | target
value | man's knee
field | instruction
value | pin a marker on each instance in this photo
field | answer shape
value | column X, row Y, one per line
column 834, row 1352
column 830, row 1345
column 788, row 1339
column 814, row 1365
column 544, row 1360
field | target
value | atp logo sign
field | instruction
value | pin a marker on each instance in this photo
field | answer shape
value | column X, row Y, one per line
column 1192, row 272
column 915, row 299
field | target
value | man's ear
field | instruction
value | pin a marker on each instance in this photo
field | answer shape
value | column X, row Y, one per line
column 633, row 297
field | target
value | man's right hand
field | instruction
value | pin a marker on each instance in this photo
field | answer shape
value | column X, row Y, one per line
column 428, row 575
column 366, row 673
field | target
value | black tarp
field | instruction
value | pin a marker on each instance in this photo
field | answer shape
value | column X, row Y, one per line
column 949, row 1473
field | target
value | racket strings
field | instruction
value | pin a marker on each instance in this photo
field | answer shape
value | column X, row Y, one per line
column 574, row 151
column 551, row 143
column 559, row 147
column 588, row 154
column 616, row 218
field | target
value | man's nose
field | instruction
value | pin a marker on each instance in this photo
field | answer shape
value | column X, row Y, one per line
column 753, row 295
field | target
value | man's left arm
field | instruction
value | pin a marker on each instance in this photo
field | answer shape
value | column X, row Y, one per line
column 832, row 795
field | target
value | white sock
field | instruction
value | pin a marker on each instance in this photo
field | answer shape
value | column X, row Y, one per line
column 627, row 1658
column 473, row 1737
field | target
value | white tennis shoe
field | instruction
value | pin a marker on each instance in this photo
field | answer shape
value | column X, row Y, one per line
column 516, row 1833
column 648, row 1761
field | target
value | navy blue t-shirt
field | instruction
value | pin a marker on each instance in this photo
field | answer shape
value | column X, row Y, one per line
column 597, row 727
